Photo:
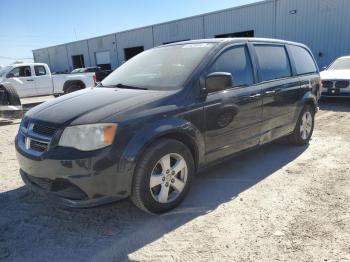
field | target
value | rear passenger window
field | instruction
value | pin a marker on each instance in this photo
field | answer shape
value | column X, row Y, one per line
column 273, row 62
column 304, row 62
column 39, row 70
column 237, row 62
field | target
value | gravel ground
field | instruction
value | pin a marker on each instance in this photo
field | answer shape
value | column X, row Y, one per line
column 277, row 203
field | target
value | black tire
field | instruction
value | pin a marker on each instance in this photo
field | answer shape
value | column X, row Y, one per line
column 11, row 95
column 56, row 95
column 73, row 88
column 141, row 194
column 296, row 137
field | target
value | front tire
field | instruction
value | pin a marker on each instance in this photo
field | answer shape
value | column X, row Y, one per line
column 163, row 176
column 304, row 128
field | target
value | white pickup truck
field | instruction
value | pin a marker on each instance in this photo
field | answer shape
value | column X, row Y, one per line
column 35, row 79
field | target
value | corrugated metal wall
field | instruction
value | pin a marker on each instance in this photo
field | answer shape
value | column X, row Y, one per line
column 138, row 37
column 258, row 17
column 323, row 25
column 59, row 59
column 191, row 28
column 101, row 44
column 42, row 55
column 78, row 48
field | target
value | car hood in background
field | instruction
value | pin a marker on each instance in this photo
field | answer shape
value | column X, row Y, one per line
column 335, row 74
column 92, row 105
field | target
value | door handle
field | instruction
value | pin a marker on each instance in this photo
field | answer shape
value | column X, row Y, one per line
column 30, row 80
column 255, row 96
column 271, row 92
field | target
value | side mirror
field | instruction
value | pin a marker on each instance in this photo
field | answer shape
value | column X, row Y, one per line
column 10, row 75
column 218, row 81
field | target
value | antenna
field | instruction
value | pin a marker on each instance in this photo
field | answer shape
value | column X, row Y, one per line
column 75, row 33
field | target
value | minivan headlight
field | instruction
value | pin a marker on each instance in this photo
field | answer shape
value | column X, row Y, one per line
column 88, row 137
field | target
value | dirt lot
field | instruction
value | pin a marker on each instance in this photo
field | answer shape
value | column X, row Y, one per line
column 278, row 203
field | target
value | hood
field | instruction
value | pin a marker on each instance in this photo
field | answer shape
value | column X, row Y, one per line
column 93, row 105
column 335, row 75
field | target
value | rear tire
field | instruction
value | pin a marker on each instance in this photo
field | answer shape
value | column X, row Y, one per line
column 163, row 176
column 73, row 88
column 304, row 128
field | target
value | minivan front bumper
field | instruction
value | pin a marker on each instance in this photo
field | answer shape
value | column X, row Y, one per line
column 81, row 182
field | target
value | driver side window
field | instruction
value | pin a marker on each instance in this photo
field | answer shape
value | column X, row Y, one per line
column 21, row 71
column 236, row 61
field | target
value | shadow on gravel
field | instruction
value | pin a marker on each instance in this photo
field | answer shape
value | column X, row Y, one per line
column 335, row 104
column 35, row 229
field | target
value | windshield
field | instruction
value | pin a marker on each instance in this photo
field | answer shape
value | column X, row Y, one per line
column 4, row 70
column 340, row 64
column 164, row 68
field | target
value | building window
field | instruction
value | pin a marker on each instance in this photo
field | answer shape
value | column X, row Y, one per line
column 237, row 34
column 78, row 61
column 132, row 51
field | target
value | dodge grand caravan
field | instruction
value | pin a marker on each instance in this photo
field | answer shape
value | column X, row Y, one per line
column 164, row 115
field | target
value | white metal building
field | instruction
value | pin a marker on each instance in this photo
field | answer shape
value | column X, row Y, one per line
column 323, row 25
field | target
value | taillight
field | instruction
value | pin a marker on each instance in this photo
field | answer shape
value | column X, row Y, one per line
column 94, row 77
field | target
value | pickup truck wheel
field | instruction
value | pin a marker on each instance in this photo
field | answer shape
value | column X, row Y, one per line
column 72, row 88
column 304, row 127
column 11, row 95
column 163, row 176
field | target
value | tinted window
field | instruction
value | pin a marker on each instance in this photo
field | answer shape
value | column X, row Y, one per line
column 39, row 70
column 237, row 62
column 21, row 71
column 304, row 63
column 273, row 62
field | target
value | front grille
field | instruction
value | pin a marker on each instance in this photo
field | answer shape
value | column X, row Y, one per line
column 327, row 84
column 44, row 130
column 34, row 137
column 38, row 146
column 342, row 84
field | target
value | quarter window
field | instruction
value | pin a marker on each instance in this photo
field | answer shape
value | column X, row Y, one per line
column 237, row 62
column 273, row 62
column 304, row 63
column 39, row 70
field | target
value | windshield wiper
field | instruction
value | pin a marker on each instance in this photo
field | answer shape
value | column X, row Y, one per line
column 130, row 87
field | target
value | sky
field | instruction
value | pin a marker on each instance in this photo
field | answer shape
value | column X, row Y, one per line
column 26, row 25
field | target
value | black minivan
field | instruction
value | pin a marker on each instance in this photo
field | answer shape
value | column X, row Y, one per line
column 166, row 114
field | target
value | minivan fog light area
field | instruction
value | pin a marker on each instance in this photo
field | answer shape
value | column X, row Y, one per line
column 88, row 137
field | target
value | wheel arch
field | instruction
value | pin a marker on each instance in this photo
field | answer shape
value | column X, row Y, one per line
column 137, row 147
column 309, row 99
column 69, row 83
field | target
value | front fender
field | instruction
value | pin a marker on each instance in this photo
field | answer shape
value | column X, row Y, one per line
column 150, row 133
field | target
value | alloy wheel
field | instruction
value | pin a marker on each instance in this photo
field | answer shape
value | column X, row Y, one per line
column 168, row 178
column 306, row 125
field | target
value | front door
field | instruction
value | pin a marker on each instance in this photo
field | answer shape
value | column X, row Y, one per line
column 42, row 81
column 233, row 116
column 22, row 79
